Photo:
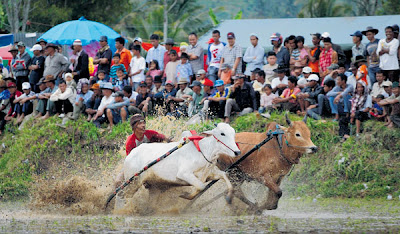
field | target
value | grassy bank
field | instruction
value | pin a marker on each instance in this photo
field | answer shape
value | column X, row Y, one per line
column 366, row 167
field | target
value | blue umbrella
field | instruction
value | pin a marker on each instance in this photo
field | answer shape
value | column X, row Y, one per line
column 85, row 30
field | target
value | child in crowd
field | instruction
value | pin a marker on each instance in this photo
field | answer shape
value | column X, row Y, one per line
column 269, row 68
column 23, row 103
column 266, row 101
column 184, row 69
column 121, row 82
column 69, row 79
column 377, row 110
column 101, row 75
column 226, row 74
column 114, row 68
column 154, row 69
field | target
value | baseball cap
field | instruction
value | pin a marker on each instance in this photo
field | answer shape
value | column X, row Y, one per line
column 357, row 34
column 118, row 94
column 103, row 38
column 21, row 44
column 196, row 83
column 208, row 82
column 26, row 85
column 307, row 70
column 326, row 35
column 142, row 84
column 275, row 36
column 230, row 35
column 77, row 42
column 387, row 83
column 313, row 77
column 201, row 72
column 169, row 82
column 11, row 85
column 219, row 83
column 36, row 47
column 40, row 81
column 138, row 39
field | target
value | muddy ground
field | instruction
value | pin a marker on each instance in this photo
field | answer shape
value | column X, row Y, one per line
column 299, row 214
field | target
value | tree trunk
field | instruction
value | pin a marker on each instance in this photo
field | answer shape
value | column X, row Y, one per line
column 25, row 17
column 165, row 24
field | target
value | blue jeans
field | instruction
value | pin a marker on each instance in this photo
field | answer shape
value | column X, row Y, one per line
column 213, row 73
column 345, row 101
column 372, row 74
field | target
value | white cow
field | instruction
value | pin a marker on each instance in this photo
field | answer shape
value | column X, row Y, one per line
column 185, row 166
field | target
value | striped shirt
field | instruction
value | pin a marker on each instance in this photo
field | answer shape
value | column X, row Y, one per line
column 230, row 54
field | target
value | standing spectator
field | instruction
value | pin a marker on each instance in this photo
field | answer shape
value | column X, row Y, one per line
column 254, row 55
column 288, row 99
column 137, row 67
column 81, row 100
column 232, row 55
column 270, row 67
column 125, row 55
column 372, row 57
column 55, row 64
column 195, row 53
column 300, row 51
column 341, row 56
column 103, row 57
column 214, row 55
column 156, row 52
column 42, row 43
column 169, row 43
column 107, row 99
column 20, row 67
column 170, row 69
column 358, row 47
column 242, row 98
column 340, row 95
column 81, row 69
column 387, row 52
column 36, row 67
column 327, row 57
column 94, row 102
column 23, row 103
column 313, row 57
column 14, row 52
column 63, row 99
column 280, row 83
column 282, row 54
column 361, row 103
column 184, row 70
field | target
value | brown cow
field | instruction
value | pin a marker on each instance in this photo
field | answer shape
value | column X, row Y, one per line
column 271, row 162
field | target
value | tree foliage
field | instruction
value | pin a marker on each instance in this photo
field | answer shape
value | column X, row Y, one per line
column 390, row 7
column 325, row 8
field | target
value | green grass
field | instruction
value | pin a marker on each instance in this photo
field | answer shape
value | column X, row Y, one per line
column 370, row 168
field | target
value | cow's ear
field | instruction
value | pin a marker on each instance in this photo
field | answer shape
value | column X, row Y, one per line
column 207, row 133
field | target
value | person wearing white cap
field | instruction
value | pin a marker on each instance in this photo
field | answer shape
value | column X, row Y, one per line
column 23, row 103
column 254, row 55
column 36, row 67
column 309, row 95
column 103, row 57
column 81, row 66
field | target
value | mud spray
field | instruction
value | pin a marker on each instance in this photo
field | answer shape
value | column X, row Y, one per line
column 86, row 194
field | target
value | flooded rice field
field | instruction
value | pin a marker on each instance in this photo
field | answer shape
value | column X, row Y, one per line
column 209, row 213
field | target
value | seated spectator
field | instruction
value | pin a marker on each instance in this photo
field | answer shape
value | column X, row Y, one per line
column 45, row 105
column 113, row 70
column 387, row 86
column 121, row 81
column 201, row 75
column 101, row 75
column 184, row 69
column 361, row 103
column 131, row 96
column 297, row 70
column 391, row 107
column 6, row 106
column 260, row 81
column 181, row 96
column 137, row 66
column 42, row 87
column 81, row 101
column 226, row 74
column 266, row 101
column 158, row 87
column 377, row 110
column 377, row 87
column 288, row 99
column 270, row 67
column 170, row 68
column 94, row 102
column 362, row 69
column 253, row 74
column 165, row 95
column 351, row 79
column 23, row 103
column 242, row 98
column 302, row 81
column 117, row 111
column 332, row 72
column 196, row 98
column 309, row 95
column 280, row 83
column 144, row 99
column 63, row 99
column 154, row 69
column 215, row 103
column 4, row 93
column 107, row 99
column 340, row 94
column 69, row 79
column 322, row 108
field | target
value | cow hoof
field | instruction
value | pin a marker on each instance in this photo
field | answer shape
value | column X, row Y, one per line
column 228, row 199
column 186, row 196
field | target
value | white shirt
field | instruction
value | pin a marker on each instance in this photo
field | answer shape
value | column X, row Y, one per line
column 170, row 70
column 388, row 61
column 377, row 89
column 351, row 80
column 105, row 101
column 275, row 82
column 253, row 63
column 216, row 54
column 156, row 54
column 136, row 65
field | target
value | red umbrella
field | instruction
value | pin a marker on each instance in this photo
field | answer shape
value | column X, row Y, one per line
column 4, row 52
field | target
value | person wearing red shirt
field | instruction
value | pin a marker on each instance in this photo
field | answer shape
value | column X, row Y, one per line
column 125, row 54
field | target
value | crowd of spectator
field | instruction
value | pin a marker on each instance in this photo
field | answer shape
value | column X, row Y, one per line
column 318, row 81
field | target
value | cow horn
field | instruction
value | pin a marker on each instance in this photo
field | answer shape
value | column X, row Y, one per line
column 288, row 120
column 305, row 119
column 216, row 124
